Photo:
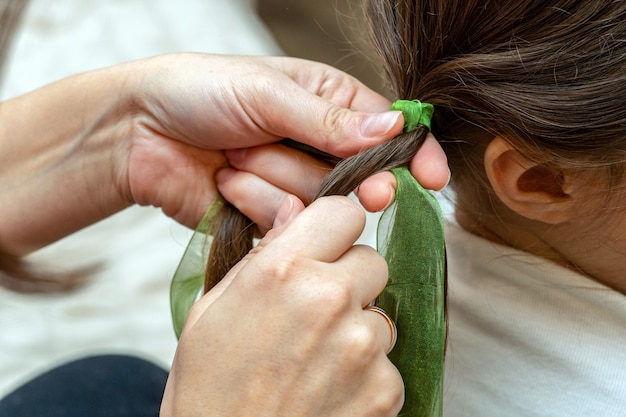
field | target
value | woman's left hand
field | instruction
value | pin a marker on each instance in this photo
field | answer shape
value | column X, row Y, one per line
column 244, row 105
column 194, row 106
column 154, row 132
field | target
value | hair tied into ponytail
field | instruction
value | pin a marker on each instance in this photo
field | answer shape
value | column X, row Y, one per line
column 415, row 113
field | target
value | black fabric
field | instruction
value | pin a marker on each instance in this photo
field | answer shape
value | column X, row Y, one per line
column 99, row 386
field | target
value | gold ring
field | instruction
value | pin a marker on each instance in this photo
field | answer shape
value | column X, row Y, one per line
column 392, row 325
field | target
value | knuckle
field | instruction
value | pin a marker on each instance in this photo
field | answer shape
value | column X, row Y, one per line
column 282, row 269
column 333, row 294
column 389, row 400
column 334, row 116
column 270, row 274
column 338, row 294
column 361, row 345
column 375, row 261
column 334, row 121
column 339, row 88
column 325, row 305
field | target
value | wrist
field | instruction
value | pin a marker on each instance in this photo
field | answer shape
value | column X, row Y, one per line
column 57, row 147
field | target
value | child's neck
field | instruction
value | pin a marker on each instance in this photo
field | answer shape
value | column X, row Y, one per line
column 574, row 246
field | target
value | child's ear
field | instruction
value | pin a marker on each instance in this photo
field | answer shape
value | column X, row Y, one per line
column 535, row 191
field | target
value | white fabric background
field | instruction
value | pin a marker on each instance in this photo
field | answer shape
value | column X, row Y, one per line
column 528, row 337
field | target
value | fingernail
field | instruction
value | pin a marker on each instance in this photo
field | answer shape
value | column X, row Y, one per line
column 448, row 181
column 392, row 197
column 284, row 213
column 379, row 124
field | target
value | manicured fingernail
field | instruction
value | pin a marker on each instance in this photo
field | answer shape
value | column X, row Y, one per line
column 378, row 125
column 284, row 213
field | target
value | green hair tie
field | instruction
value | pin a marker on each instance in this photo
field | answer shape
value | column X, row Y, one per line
column 415, row 113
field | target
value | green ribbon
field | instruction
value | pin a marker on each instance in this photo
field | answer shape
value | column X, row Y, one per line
column 188, row 280
column 411, row 240
column 415, row 113
column 410, row 237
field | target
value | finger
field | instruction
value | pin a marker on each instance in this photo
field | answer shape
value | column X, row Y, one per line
column 342, row 132
column 430, row 165
column 324, row 231
column 331, row 84
column 289, row 169
column 389, row 400
column 200, row 306
column 256, row 198
column 378, row 191
column 318, row 122
column 365, row 271
column 286, row 213
column 386, row 330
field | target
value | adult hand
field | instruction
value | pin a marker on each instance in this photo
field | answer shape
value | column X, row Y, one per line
column 285, row 333
column 212, row 103
column 260, row 179
column 154, row 131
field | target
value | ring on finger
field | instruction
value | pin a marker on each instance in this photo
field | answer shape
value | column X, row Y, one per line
column 392, row 325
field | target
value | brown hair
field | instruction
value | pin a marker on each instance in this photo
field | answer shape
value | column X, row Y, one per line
column 18, row 275
column 232, row 232
column 10, row 14
column 545, row 75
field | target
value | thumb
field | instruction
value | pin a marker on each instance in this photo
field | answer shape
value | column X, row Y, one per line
column 343, row 132
column 317, row 122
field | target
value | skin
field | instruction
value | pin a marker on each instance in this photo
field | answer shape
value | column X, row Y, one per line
column 267, row 172
column 157, row 132
column 153, row 132
column 577, row 221
column 319, row 354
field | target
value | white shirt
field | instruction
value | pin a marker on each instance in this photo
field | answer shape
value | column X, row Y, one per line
column 528, row 337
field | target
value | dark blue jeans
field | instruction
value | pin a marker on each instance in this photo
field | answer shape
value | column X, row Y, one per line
column 99, row 386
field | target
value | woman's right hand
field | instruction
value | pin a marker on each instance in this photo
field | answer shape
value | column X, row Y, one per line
column 285, row 333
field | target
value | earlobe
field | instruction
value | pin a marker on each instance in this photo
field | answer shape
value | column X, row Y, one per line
column 534, row 191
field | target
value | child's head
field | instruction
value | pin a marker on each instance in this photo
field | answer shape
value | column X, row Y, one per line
column 529, row 97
